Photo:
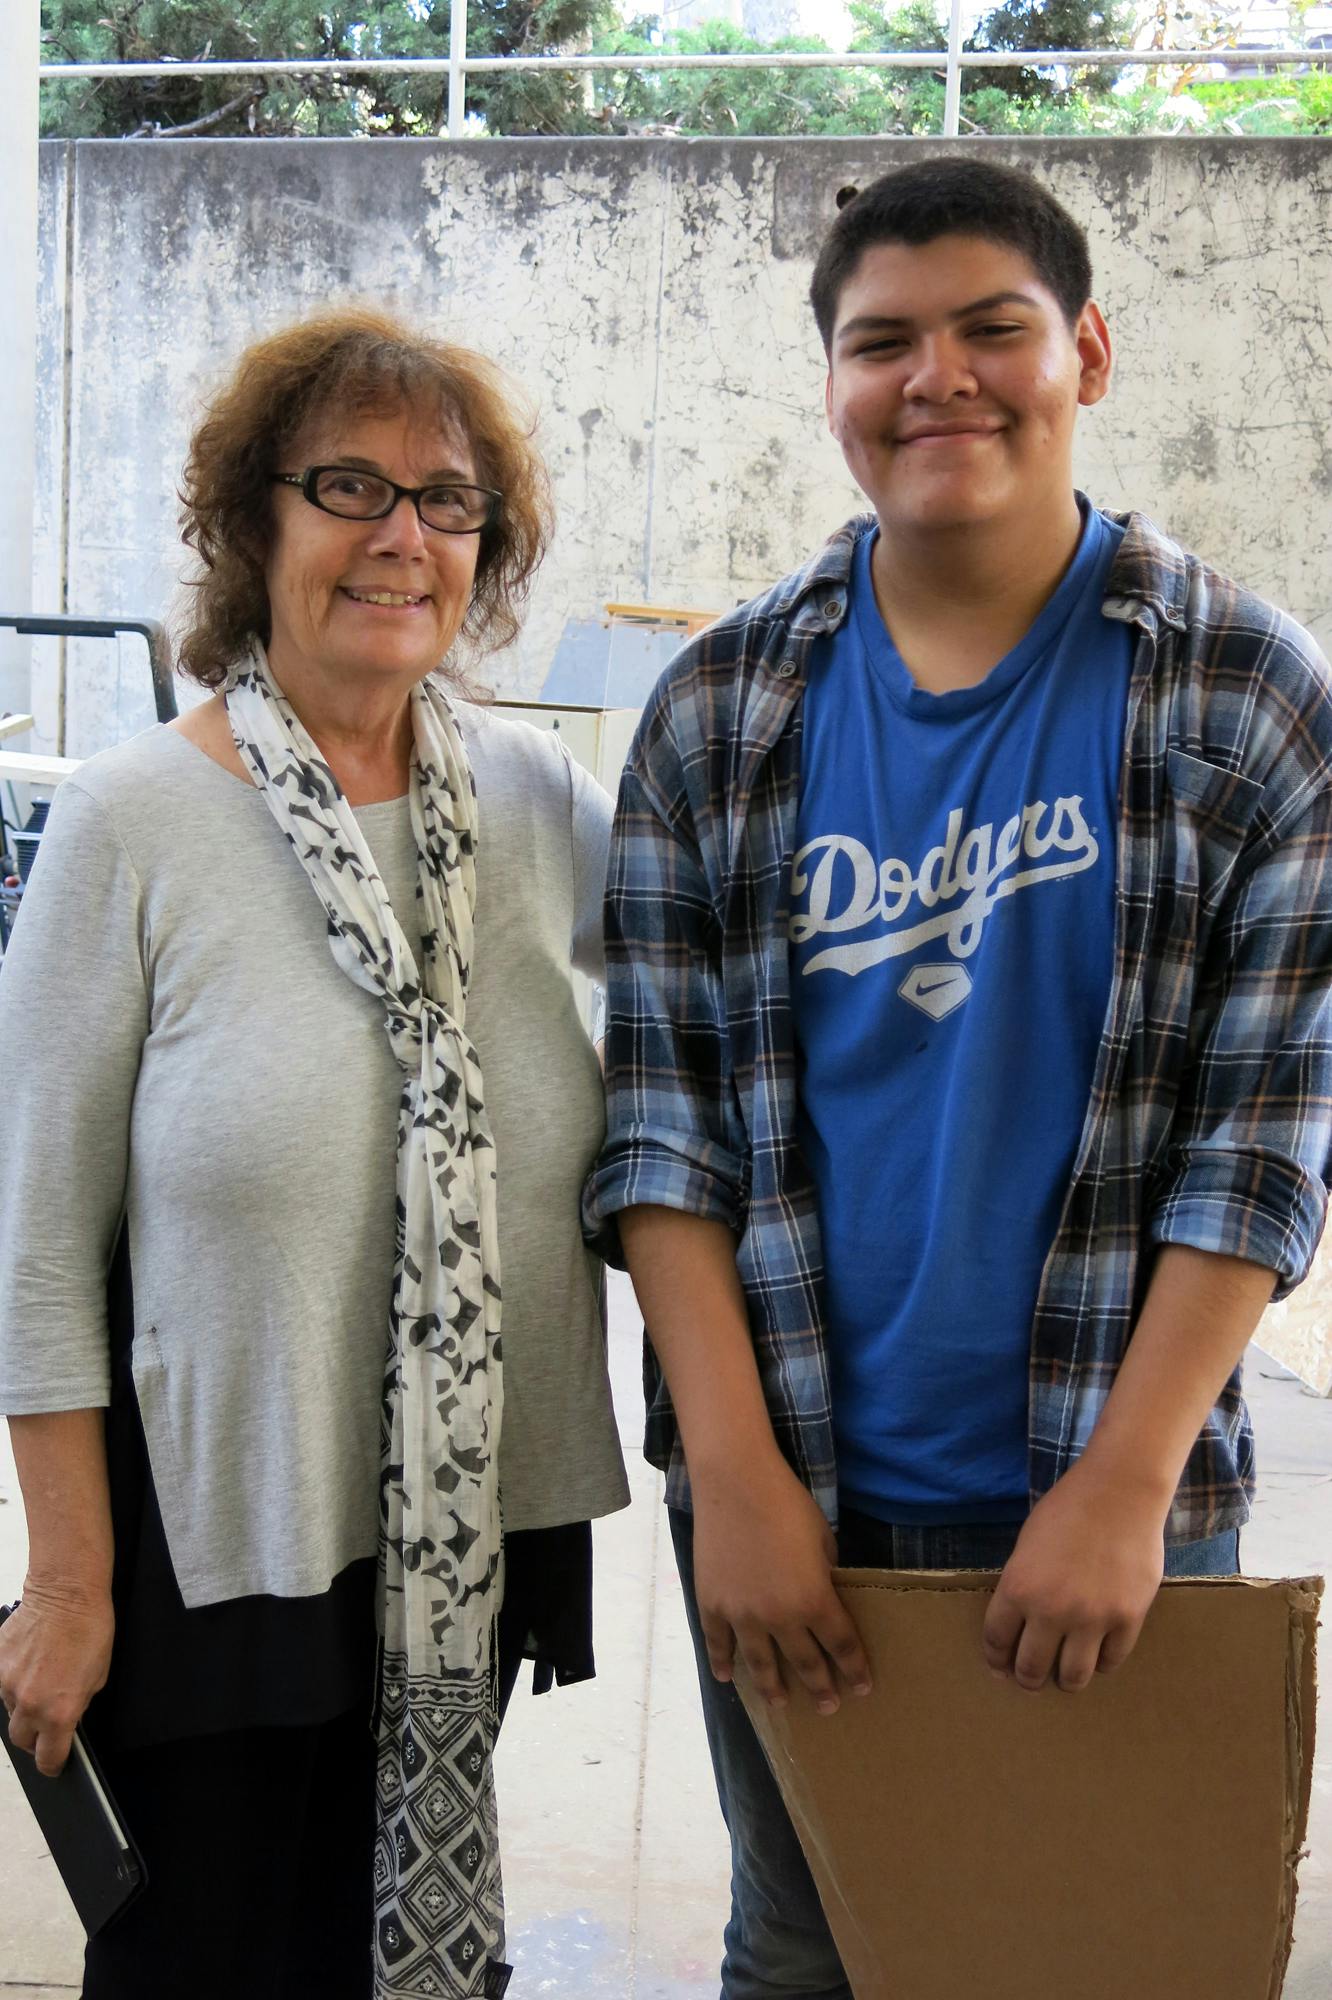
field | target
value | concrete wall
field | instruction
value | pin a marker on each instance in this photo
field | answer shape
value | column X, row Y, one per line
column 651, row 295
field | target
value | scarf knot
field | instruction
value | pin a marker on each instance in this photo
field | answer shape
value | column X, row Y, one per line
column 419, row 1030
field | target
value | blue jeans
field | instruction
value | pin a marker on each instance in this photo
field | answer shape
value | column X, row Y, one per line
column 777, row 1943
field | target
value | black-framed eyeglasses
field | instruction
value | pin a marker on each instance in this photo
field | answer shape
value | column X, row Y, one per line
column 352, row 495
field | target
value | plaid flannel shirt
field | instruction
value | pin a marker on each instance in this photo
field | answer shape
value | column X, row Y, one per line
column 1210, row 1116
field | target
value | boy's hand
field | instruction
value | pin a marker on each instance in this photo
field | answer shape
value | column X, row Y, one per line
column 763, row 1560
column 1072, row 1599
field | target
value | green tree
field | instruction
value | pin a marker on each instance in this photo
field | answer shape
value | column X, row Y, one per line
column 759, row 102
column 533, row 101
column 917, row 94
column 810, row 103
column 1014, row 26
column 1054, row 24
column 317, row 105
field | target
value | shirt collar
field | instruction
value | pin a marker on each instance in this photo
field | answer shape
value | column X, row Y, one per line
column 810, row 594
column 1147, row 584
column 1148, row 580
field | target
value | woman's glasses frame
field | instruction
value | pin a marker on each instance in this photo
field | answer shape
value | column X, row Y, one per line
column 308, row 482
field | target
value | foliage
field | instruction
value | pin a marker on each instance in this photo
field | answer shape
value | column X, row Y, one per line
column 815, row 101
column 532, row 101
column 918, row 94
column 1255, row 105
column 812, row 103
column 317, row 105
column 1252, row 108
column 1016, row 25
column 1054, row 24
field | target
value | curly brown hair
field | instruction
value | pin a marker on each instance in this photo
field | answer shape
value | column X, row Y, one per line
column 352, row 359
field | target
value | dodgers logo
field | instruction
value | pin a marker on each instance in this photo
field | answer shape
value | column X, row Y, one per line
column 960, row 882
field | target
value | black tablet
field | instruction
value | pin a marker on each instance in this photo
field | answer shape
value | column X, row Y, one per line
column 90, row 1844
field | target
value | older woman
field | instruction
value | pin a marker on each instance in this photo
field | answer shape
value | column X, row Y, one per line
column 290, row 990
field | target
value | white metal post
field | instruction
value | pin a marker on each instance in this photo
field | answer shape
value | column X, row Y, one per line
column 953, row 84
column 18, row 337
column 457, row 72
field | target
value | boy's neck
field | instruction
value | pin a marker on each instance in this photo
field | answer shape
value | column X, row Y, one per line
column 956, row 601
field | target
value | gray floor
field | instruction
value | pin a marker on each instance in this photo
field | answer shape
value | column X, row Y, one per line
column 615, row 1858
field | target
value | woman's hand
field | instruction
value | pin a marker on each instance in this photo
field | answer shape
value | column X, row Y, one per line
column 55, row 1653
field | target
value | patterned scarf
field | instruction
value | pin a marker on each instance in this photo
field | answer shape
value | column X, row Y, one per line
column 439, row 1918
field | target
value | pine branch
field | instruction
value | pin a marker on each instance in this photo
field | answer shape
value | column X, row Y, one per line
column 149, row 130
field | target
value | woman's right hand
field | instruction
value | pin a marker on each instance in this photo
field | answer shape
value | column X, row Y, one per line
column 55, row 1653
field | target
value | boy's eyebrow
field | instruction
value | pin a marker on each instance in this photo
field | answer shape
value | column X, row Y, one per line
column 868, row 322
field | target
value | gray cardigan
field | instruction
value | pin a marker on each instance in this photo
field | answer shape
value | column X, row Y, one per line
column 180, row 1048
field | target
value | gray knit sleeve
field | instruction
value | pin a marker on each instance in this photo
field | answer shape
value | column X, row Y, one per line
column 73, row 1017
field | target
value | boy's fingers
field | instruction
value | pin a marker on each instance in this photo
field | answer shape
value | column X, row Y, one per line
column 760, row 1658
column 1037, row 1651
column 1003, row 1629
column 811, row 1663
column 1078, row 1659
column 837, row 1635
column 1116, row 1647
column 720, row 1642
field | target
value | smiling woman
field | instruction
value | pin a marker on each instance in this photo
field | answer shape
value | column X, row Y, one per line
column 266, row 423
column 301, row 961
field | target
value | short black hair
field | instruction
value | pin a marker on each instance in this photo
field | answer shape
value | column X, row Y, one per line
column 955, row 197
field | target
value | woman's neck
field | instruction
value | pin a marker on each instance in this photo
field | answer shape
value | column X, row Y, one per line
column 362, row 730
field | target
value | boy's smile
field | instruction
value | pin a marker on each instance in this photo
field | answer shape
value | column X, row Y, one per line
column 953, row 383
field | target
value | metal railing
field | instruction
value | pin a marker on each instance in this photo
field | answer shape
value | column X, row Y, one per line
column 457, row 66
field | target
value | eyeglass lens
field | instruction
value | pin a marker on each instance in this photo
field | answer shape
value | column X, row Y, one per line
column 360, row 496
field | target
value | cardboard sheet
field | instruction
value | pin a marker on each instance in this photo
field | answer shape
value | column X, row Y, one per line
column 1137, row 1841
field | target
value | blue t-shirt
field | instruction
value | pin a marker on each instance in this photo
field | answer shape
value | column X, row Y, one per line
column 952, row 947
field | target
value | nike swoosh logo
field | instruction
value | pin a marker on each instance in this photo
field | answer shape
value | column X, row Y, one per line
column 929, row 976
column 937, row 990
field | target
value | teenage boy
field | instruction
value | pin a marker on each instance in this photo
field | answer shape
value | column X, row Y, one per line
column 970, row 1047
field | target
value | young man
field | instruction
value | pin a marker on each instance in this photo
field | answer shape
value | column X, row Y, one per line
column 970, row 1049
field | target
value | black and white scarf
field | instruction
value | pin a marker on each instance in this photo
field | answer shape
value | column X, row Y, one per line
column 439, row 1917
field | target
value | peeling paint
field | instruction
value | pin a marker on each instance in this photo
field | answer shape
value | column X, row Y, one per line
column 1194, row 454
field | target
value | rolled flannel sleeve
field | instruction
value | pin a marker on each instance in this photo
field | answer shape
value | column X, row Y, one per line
column 1247, row 1164
column 674, row 1133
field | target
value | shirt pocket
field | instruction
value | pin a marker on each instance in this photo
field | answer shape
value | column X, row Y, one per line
column 1211, row 817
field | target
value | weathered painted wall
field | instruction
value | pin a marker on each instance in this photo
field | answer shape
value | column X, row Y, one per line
column 53, row 379
column 651, row 294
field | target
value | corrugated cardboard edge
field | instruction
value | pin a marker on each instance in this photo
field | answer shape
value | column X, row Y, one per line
column 1302, row 1597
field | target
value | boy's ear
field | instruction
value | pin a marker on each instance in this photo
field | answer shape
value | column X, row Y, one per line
column 1092, row 339
column 828, row 402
